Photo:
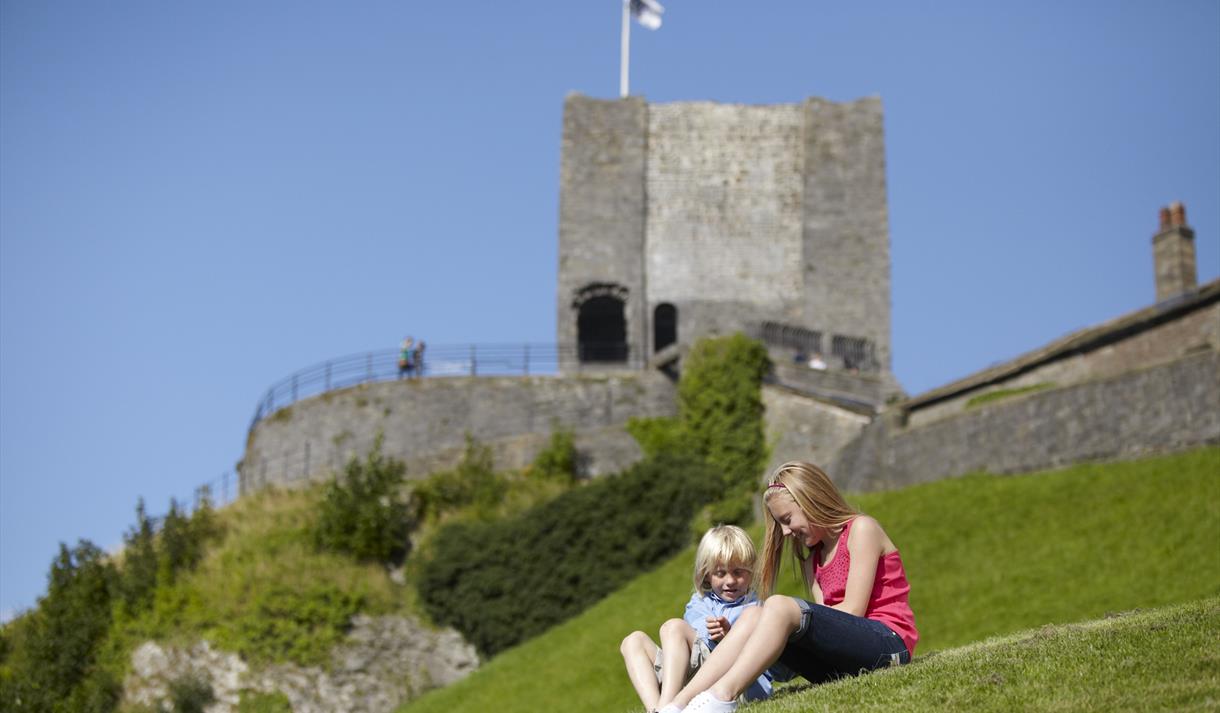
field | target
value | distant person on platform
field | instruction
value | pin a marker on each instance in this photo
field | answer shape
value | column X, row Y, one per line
column 817, row 363
column 405, row 354
column 418, row 359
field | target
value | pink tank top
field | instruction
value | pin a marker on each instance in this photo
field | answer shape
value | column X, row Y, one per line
column 887, row 603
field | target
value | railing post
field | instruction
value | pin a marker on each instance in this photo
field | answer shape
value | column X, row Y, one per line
column 527, row 360
column 328, row 376
column 369, row 362
column 474, row 363
column 294, row 388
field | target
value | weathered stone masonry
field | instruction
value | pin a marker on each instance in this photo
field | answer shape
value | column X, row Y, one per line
column 425, row 422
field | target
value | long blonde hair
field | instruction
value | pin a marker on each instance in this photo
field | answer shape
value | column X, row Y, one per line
column 817, row 497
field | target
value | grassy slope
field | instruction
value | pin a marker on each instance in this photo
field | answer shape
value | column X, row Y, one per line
column 265, row 547
column 986, row 556
column 1164, row 659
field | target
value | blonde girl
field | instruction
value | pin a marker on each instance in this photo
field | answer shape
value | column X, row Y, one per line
column 857, row 617
column 723, row 579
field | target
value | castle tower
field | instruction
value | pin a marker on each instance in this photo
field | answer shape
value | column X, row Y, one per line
column 694, row 218
column 1173, row 252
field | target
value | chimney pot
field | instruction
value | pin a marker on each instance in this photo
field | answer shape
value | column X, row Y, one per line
column 1173, row 252
column 1177, row 214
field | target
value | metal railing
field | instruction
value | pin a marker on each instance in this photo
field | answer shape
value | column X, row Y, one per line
column 437, row 361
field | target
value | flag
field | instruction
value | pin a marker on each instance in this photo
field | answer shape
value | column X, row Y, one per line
column 647, row 13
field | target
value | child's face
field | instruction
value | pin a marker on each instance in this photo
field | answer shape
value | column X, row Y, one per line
column 730, row 582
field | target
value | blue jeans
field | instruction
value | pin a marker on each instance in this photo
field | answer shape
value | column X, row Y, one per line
column 831, row 644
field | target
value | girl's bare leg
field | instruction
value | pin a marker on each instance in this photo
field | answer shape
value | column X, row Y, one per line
column 722, row 656
column 677, row 638
column 638, row 654
column 750, row 655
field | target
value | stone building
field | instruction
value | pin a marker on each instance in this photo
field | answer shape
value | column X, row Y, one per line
column 683, row 220
column 690, row 219
column 1143, row 382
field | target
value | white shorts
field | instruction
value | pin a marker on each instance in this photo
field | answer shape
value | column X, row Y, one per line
column 698, row 654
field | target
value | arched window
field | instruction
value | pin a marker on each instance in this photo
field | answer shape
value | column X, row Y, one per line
column 664, row 326
column 601, row 326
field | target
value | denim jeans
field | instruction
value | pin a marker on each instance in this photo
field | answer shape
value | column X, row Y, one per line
column 831, row 644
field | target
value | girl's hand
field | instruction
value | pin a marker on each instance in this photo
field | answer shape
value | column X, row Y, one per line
column 717, row 627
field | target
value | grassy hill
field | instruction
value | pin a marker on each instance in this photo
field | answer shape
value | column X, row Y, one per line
column 1163, row 659
column 986, row 555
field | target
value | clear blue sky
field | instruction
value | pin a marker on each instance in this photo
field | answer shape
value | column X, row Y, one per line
column 197, row 199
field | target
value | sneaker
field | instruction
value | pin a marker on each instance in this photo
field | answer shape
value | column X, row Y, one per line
column 671, row 708
column 706, row 702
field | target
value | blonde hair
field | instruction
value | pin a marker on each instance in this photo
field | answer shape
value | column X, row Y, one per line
column 723, row 545
column 819, row 500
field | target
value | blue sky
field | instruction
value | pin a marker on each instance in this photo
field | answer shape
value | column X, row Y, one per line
column 197, row 199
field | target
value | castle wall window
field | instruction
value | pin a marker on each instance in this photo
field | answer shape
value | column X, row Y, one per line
column 664, row 326
column 601, row 330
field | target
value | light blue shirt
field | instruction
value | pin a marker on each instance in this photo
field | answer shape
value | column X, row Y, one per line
column 701, row 606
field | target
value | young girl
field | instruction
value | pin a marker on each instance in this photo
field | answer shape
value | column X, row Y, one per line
column 857, row 618
column 724, row 573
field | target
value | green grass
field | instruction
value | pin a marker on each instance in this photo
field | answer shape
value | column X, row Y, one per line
column 1164, row 659
column 986, row 556
column 264, row 590
column 1000, row 394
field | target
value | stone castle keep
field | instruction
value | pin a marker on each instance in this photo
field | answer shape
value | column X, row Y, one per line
column 683, row 220
column 690, row 219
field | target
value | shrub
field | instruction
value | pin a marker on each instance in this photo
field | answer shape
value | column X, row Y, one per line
column 501, row 583
column 720, row 407
column 138, row 578
column 362, row 513
column 473, row 484
column 253, row 702
column 191, row 693
column 52, row 663
column 558, row 460
column 298, row 625
column 659, row 435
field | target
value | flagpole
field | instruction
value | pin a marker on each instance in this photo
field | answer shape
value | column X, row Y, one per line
column 626, row 50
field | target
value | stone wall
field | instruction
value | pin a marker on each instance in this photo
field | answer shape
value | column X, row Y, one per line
column 1160, row 408
column 1194, row 332
column 802, row 428
column 425, row 421
column 724, row 191
column 381, row 664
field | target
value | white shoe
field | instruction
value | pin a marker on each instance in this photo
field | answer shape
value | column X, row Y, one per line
column 671, row 708
column 706, row 702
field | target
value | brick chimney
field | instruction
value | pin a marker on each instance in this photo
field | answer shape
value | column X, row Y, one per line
column 1173, row 251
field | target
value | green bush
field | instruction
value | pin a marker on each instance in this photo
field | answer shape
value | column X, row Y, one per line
column 558, row 460
column 659, row 435
column 191, row 693
column 252, row 702
column 298, row 625
column 473, row 484
column 362, row 513
column 501, row 583
column 138, row 577
column 720, row 407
